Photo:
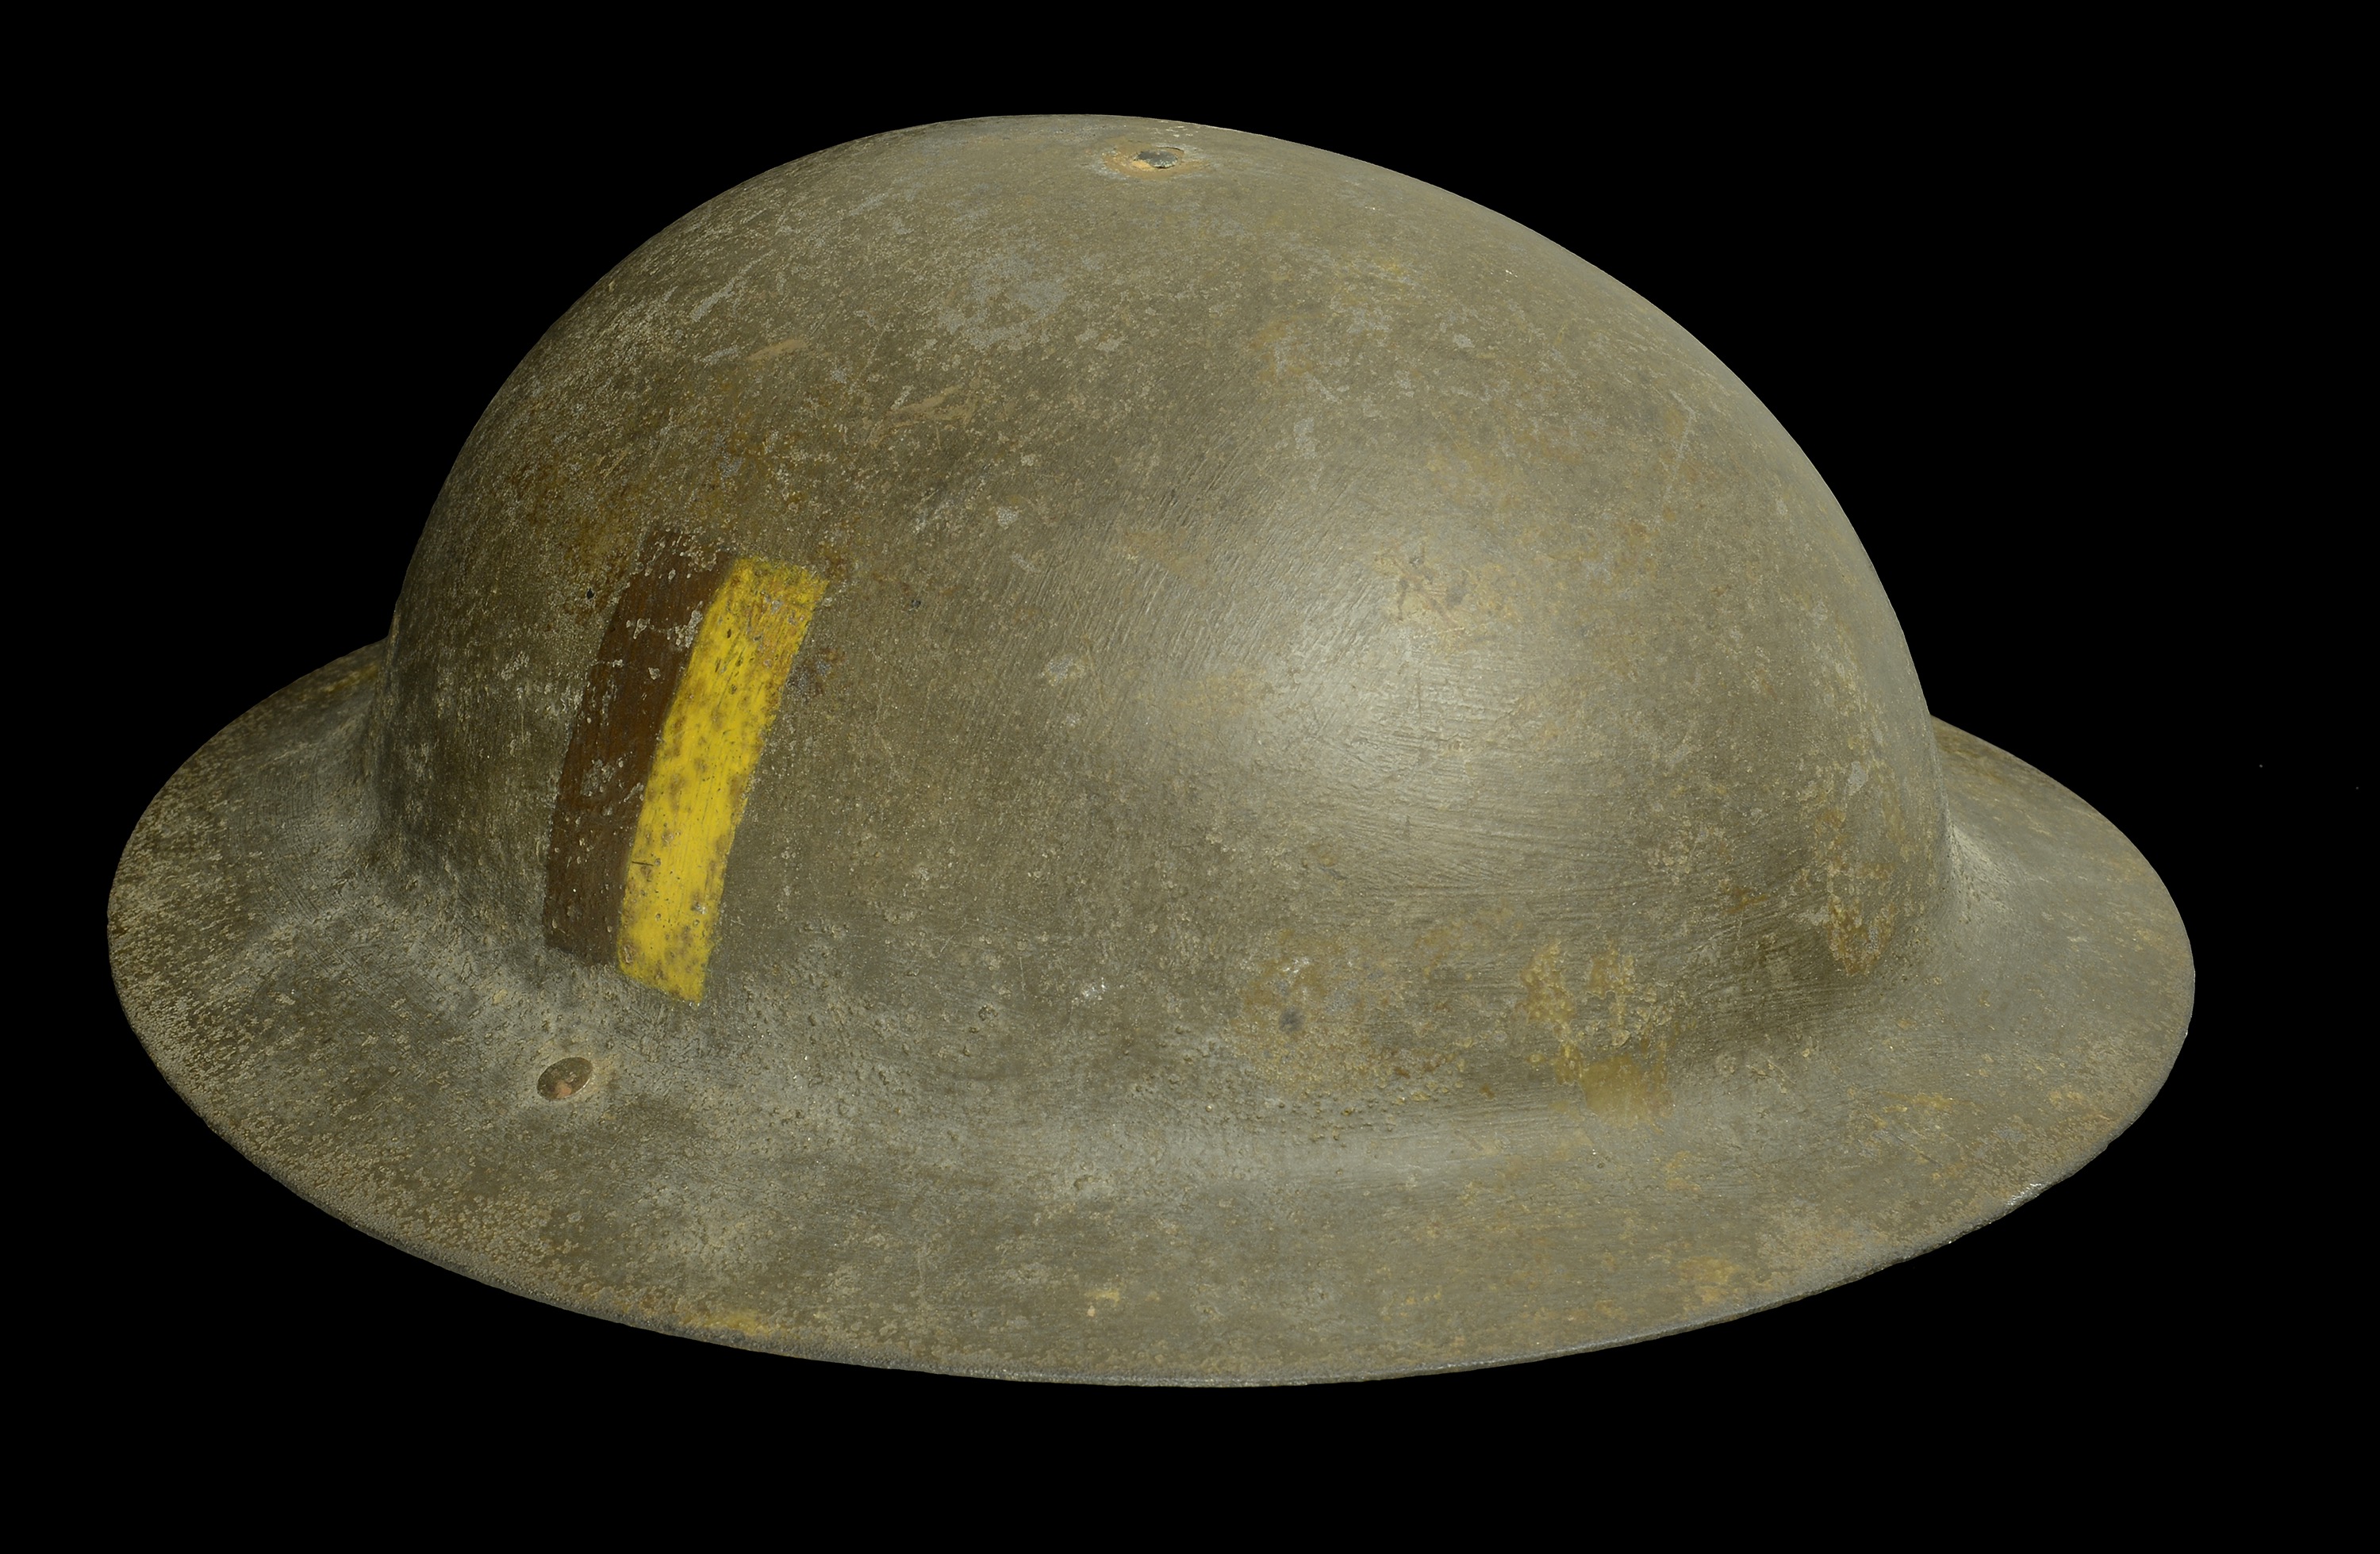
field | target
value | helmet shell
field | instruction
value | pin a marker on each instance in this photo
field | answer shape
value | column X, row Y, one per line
column 1109, row 748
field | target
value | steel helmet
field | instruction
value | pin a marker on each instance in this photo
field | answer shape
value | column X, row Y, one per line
column 1110, row 749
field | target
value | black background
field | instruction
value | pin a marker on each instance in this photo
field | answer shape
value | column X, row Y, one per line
column 1979, row 307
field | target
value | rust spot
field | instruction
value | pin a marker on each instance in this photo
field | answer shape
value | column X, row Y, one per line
column 1618, row 1088
column 810, row 677
column 1544, row 996
column 1740, row 898
column 1858, row 940
column 829, row 563
column 565, row 1079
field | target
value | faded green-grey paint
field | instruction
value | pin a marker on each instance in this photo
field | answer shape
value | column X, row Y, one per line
column 1355, row 805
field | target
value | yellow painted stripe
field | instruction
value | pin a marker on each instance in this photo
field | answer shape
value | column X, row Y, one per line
column 702, row 769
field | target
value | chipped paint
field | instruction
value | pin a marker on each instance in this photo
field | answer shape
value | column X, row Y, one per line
column 701, row 772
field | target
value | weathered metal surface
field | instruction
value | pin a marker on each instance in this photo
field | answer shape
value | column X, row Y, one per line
column 597, row 797
column 1351, row 806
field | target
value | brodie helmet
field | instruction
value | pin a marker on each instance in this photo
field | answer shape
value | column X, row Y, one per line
column 1089, row 748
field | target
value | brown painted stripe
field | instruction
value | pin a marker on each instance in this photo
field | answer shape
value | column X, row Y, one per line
column 629, row 690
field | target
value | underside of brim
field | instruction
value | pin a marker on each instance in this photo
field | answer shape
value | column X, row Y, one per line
column 370, row 1047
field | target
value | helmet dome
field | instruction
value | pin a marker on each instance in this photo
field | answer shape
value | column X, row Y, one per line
column 1260, row 598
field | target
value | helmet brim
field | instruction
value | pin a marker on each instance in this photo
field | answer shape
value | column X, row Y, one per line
column 375, row 1045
